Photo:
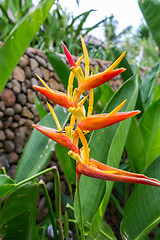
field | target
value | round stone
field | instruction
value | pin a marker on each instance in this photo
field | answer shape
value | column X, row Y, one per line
column 9, row 112
column 8, row 146
column 13, row 158
column 16, row 87
column 17, row 108
column 8, row 97
column 41, row 61
column 2, row 136
column 9, row 134
column 33, row 64
column 23, row 61
column 28, row 72
column 22, row 99
column 19, row 74
column 30, row 96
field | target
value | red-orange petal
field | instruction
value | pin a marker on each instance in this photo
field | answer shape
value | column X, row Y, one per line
column 98, row 121
column 55, row 96
column 69, row 56
column 99, row 170
column 57, row 136
column 96, row 80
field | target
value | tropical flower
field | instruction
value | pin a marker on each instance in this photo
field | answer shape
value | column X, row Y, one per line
column 85, row 122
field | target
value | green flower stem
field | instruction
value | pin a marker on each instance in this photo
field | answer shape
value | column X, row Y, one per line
column 49, row 205
column 58, row 202
column 80, row 210
column 35, row 176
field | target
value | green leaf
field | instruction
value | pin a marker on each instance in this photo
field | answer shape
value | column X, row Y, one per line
column 41, row 111
column 149, row 85
column 20, row 37
column 67, row 163
column 106, row 145
column 142, row 211
column 18, row 215
column 59, row 66
column 150, row 129
column 39, row 148
column 151, row 12
column 107, row 93
column 135, row 147
column 6, row 185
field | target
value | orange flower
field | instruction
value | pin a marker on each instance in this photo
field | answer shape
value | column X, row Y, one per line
column 70, row 137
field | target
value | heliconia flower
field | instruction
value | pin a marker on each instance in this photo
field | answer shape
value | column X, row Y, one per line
column 98, row 121
column 99, row 170
column 69, row 56
column 57, row 136
column 57, row 97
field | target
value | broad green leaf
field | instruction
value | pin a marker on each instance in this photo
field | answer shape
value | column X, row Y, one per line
column 18, row 219
column 142, row 211
column 151, row 12
column 59, row 66
column 39, row 148
column 67, row 163
column 19, row 39
column 107, row 93
column 106, row 145
column 148, row 85
column 135, row 147
column 6, row 185
column 41, row 111
column 150, row 129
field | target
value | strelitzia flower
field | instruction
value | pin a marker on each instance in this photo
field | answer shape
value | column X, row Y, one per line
column 85, row 122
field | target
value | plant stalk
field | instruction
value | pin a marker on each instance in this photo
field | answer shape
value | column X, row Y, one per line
column 80, row 209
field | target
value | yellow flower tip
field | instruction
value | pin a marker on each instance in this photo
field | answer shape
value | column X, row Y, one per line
column 44, row 84
column 54, row 117
column 117, row 62
column 117, row 108
column 85, row 52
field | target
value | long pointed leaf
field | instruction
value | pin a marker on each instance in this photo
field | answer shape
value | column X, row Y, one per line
column 19, row 39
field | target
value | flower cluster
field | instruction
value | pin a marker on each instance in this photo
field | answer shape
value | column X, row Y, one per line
column 81, row 121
